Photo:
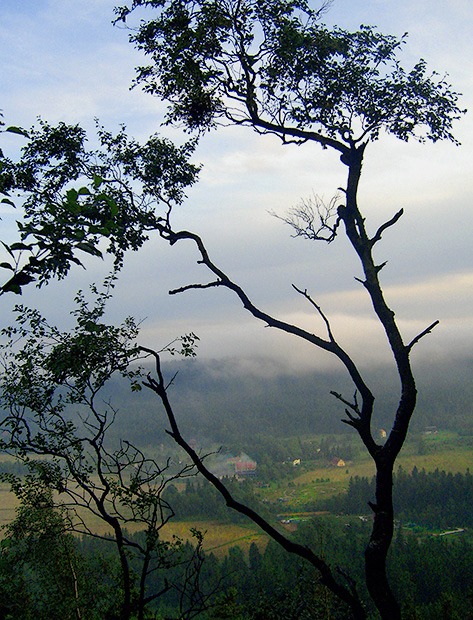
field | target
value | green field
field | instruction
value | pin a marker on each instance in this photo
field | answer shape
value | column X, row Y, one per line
column 444, row 451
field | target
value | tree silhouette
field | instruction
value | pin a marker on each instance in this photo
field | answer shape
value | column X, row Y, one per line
column 273, row 66
column 57, row 422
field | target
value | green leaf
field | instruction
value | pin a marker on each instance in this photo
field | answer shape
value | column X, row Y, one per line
column 71, row 195
column 12, row 288
column 113, row 208
column 8, row 202
column 14, row 285
column 110, row 202
column 17, row 130
column 7, row 266
column 84, row 191
column 89, row 248
column 97, row 181
column 20, row 246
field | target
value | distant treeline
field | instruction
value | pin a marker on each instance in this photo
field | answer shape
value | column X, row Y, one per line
column 434, row 499
column 13, row 467
column 217, row 401
column 200, row 500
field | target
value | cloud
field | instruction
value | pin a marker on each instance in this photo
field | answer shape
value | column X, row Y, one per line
column 63, row 59
column 67, row 62
column 226, row 330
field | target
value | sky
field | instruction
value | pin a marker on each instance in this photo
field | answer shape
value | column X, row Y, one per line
column 64, row 61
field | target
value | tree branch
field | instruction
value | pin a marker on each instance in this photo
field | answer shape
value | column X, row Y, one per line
column 305, row 294
column 383, row 227
column 189, row 287
column 157, row 385
column 426, row 331
column 330, row 345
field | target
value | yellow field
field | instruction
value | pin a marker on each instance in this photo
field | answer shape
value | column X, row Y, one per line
column 218, row 537
column 318, row 483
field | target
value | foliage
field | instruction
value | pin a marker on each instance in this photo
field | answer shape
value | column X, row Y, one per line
column 35, row 529
column 57, row 424
column 274, row 65
column 47, row 573
column 82, row 360
column 119, row 187
column 43, row 575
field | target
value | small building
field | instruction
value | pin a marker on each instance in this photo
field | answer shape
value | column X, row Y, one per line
column 243, row 465
column 229, row 466
column 336, row 462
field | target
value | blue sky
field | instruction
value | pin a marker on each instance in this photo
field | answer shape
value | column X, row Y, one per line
column 63, row 60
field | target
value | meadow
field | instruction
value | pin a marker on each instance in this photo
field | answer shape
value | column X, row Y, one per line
column 443, row 451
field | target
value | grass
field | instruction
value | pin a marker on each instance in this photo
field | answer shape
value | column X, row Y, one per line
column 443, row 450
column 218, row 537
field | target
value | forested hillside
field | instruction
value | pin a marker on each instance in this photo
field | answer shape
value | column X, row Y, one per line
column 207, row 397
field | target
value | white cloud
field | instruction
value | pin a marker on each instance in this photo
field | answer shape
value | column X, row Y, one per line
column 63, row 59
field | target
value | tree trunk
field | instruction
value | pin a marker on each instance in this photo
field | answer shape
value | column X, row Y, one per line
column 378, row 546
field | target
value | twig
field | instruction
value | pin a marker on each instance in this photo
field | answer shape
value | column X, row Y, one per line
column 305, row 294
column 383, row 227
column 426, row 331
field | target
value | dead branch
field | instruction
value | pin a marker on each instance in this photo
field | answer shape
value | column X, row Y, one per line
column 311, row 219
column 157, row 385
column 352, row 405
column 383, row 227
column 305, row 294
column 426, row 331
column 355, row 421
column 189, row 287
